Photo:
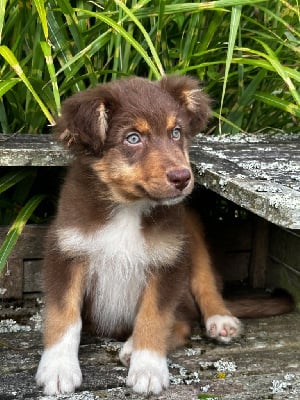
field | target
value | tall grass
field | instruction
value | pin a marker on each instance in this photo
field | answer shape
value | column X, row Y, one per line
column 247, row 53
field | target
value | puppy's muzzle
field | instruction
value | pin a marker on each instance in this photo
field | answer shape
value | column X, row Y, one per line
column 179, row 178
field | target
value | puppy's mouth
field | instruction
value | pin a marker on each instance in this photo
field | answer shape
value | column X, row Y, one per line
column 170, row 201
column 167, row 199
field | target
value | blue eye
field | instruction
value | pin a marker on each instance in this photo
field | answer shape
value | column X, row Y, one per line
column 176, row 133
column 133, row 138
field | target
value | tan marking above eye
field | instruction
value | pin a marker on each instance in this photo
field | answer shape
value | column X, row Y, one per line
column 142, row 125
column 171, row 121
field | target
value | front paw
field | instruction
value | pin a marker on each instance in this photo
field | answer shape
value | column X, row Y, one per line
column 223, row 327
column 58, row 374
column 148, row 372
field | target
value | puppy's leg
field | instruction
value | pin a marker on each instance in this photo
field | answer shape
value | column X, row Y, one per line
column 179, row 334
column 219, row 322
column 148, row 372
column 59, row 370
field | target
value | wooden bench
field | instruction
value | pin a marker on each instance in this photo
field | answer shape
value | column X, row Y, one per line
column 258, row 173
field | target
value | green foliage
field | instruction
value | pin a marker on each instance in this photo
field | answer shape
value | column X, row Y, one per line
column 245, row 51
column 17, row 183
column 17, row 227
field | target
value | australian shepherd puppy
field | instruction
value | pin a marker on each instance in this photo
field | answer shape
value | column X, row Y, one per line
column 123, row 251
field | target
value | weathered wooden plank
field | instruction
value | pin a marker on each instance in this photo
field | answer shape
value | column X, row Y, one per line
column 284, row 261
column 32, row 276
column 263, row 364
column 23, row 270
column 261, row 174
column 32, row 150
column 11, row 280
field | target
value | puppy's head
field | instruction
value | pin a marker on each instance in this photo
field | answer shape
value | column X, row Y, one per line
column 135, row 135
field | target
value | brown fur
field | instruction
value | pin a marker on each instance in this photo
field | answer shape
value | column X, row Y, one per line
column 129, row 157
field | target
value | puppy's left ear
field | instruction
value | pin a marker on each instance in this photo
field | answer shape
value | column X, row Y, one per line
column 188, row 93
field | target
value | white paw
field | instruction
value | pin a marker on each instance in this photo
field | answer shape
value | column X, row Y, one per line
column 223, row 327
column 126, row 351
column 148, row 372
column 58, row 374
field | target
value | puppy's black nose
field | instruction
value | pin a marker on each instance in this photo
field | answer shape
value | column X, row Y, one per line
column 179, row 178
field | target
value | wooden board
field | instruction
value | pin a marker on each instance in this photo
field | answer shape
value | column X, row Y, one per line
column 284, row 261
column 31, row 150
column 260, row 173
column 263, row 364
column 22, row 274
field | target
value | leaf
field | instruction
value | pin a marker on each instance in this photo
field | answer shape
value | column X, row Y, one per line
column 234, row 24
column 276, row 102
column 2, row 14
column 281, row 70
column 72, row 22
column 12, row 177
column 8, row 84
column 9, row 57
column 188, row 7
column 40, row 6
column 17, row 228
column 145, row 34
column 263, row 64
column 50, row 65
column 128, row 37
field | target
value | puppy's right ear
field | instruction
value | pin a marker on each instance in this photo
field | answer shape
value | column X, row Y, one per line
column 83, row 124
column 187, row 92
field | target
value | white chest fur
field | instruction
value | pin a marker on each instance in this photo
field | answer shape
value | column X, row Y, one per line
column 119, row 258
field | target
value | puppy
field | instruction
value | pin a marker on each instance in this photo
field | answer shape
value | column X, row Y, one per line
column 123, row 250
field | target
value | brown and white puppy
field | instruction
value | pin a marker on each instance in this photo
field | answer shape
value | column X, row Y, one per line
column 122, row 246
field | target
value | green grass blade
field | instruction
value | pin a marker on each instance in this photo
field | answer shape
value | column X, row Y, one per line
column 258, row 62
column 146, row 36
column 50, row 65
column 188, row 7
column 4, row 124
column 280, row 69
column 227, row 121
column 159, row 25
column 119, row 29
column 10, row 58
column 40, row 7
column 188, row 47
column 116, row 44
column 60, row 41
column 276, row 102
column 12, row 178
column 74, row 63
column 17, row 228
column 72, row 22
column 234, row 25
column 276, row 17
column 2, row 14
column 7, row 84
